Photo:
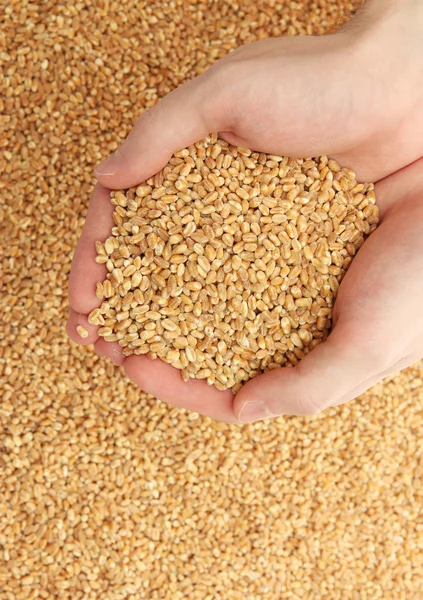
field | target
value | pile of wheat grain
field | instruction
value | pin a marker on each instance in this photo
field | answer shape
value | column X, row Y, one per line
column 227, row 262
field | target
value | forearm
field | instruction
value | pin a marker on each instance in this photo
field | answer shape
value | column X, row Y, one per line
column 387, row 12
column 389, row 35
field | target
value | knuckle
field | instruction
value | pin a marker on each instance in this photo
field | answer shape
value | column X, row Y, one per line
column 308, row 406
column 221, row 85
column 376, row 359
column 147, row 119
column 364, row 345
column 306, row 402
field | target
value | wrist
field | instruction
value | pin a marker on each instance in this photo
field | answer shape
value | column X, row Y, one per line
column 387, row 40
column 384, row 18
column 374, row 13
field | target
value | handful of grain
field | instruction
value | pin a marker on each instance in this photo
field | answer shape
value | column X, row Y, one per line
column 227, row 262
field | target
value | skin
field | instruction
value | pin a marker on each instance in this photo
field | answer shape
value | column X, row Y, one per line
column 356, row 96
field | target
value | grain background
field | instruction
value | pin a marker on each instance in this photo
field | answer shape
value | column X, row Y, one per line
column 105, row 492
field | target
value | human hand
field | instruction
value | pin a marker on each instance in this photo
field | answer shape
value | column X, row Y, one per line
column 306, row 94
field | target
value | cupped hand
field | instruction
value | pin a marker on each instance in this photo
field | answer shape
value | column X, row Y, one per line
column 299, row 97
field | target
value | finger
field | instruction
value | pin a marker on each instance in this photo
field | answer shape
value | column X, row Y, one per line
column 79, row 330
column 85, row 272
column 111, row 350
column 351, row 394
column 164, row 382
column 181, row 118
column 331, row 371
column 363, row 387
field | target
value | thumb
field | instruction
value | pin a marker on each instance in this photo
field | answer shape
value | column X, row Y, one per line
column 181, row 118
column 333, row 371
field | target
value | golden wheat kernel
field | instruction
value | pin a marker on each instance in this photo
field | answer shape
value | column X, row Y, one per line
column 95, row 317
column 99, row 291
column 82, row 332
column 109, row 245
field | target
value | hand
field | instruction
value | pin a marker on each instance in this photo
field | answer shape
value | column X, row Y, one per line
column 289, row 96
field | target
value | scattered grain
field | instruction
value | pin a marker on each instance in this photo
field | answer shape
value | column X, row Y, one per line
column 82, row 331
column 105, row 492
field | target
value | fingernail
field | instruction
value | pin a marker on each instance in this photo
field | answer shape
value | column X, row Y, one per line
column 254, row 411
column 108, row 167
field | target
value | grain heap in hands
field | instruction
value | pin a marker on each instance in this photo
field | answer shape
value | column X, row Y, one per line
column 227, row 262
